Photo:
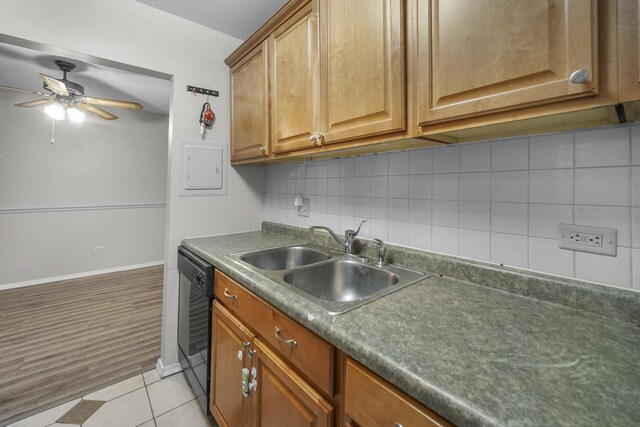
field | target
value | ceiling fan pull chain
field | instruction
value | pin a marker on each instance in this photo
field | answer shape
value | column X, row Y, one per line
column 53, row 128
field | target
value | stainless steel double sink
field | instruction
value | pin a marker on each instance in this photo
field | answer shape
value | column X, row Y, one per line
column 334, row 281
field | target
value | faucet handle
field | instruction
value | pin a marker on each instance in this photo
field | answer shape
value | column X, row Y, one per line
column 350, row 234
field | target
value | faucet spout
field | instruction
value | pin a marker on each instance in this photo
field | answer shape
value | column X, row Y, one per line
column 330, row 231
column 349, row 235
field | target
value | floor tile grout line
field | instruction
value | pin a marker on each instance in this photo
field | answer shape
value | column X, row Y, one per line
column 179, row 406
column 146, row 390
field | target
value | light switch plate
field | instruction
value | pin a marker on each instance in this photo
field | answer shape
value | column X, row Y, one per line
column 581, row 238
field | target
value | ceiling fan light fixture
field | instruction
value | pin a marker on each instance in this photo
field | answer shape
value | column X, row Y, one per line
column 55, row 111
column 75, row 115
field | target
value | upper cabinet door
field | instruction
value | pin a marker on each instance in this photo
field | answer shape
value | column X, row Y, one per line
column 293, row 49
column 480, row 56
column 629, row 50
column 249, row 106
column 362, row 50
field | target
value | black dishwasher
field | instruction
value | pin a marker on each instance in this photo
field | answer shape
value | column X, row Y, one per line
column 194, row 322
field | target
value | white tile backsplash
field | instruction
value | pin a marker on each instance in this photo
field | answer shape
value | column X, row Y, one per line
column 602, row 147
column 551, row 151
column 603, row 186
column 495, row 200
column 510, row 154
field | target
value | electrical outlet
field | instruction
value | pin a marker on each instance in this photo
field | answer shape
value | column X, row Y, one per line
column 588, row 239
column 98, row 249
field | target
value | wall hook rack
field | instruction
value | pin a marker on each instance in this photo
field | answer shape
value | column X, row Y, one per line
column 203, row 91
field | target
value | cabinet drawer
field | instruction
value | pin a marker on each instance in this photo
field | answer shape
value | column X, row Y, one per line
column 248, row 307
column 371, row 401
column 311, row 355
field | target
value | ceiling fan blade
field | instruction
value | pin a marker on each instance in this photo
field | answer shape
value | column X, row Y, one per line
column 97, row 111
column 112, row 103
column 56, row 86
column 36, row 92
column 35, row 103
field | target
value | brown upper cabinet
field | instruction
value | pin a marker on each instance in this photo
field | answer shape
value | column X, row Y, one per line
column 249, row 106
column 629, row 50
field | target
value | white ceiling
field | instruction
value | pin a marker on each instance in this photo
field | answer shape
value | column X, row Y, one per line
column 238, row 18
column 19, row 67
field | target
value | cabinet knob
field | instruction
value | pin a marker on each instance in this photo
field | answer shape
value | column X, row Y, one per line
column 313, row 138
column 319, row 138
column 579, row 76
column 262, row 149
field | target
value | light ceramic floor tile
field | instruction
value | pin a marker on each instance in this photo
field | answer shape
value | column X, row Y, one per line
column 189, row 415
column 150, row 423
column 117, row 389
column 169, row 393
column 63, row 425
column 47, row 417
column 151, row 376
column 129, row 410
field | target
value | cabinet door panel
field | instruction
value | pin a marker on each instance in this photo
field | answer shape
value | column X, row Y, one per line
column 363, row 68
column 629, row 50
column 283, row 398
column 479, row 56
column 249, row 108
column 227, row 403
column 294, row 81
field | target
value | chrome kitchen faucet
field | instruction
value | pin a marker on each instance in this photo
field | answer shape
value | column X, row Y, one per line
column 349, row 235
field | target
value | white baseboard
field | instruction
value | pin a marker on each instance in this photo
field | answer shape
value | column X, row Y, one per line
column 77, row 275
column 165, row 371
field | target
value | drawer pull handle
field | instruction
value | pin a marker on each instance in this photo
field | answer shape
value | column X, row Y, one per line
column 290, row 343
column 228, row 295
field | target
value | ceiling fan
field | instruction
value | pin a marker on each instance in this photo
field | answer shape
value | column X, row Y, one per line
column 66, row 98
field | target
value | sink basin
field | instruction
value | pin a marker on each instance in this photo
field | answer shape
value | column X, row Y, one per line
column 341, row 280
column 284, row 258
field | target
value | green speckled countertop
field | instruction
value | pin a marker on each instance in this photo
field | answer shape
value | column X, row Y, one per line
column 475, row 354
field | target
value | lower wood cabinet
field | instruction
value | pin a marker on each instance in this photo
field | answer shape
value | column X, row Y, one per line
column 371, row 401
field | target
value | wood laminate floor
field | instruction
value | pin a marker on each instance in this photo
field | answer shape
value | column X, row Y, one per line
column 61, row 340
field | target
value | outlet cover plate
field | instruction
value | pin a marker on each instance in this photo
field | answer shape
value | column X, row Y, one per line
column 596, row 240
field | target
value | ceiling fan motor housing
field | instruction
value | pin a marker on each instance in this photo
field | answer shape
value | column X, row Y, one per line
column 73, row 88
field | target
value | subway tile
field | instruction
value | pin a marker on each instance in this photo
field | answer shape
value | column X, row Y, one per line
column 399, row 163
column 602, row 147
column 310, row 186
column 635, row 227
column 291, row 186
column 380, row 186
column 282, row 201
column 475, row 157
column 321, row 169
column 379, row 229
column 545, row 256
column 551, row 186
column 333, row 204
column 347, row 186
column 419, row 211
column 509, row 186
column 399, row 186
column 347, row 206
column 509, row 155
column 510, row 250
column 398, row 233
column 380, row 164
column 635, row 186
column 379, row 208
column 347, row 222
column 544, row 220
column 333, row 186
column 445, row 213
column 362, row 186
column 333, row 168
column 605, row 269
column 420, row 236
column 284, row 185
column 445, row 186
column 310, row 170
column 551, row 151
column 475, row 186
column 445, row 240
column 399, row 209
column 446, row 159
column 475, row 215
column 333, row 221
column 618, row 218
column 635, row 255
column 475, row 244
column 347, row 167
column 420, row 186
column 320, row 205
column 602, row 186
column 509, row 218
column 420, row 161
column 300, row 186
column 362, row 207
column 635, row 145
column 363, row 166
